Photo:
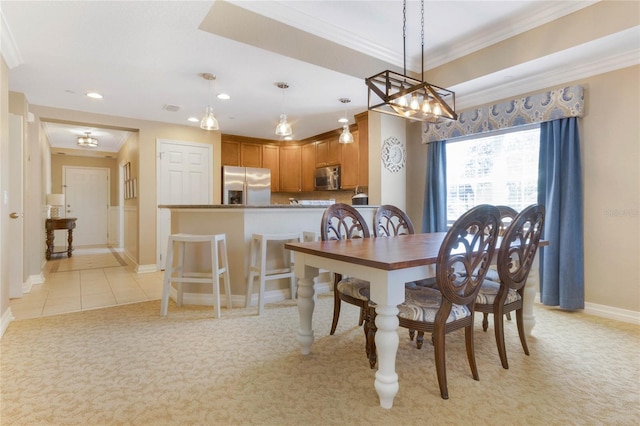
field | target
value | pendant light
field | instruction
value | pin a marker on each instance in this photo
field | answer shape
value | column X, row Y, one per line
column 209, row 121
column 283, row 128
column 345, row 136
column 407, row 97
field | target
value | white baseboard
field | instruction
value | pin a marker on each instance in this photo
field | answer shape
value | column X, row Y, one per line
column 623, row 315
column 609, row 312
column 5, row 320
column 145, row 269
column 31, row 281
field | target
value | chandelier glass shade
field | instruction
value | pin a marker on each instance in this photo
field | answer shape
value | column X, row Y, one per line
column 407, row 97
column 283, row 128
column 345, row 136
column 209, row 121
column 87, row 141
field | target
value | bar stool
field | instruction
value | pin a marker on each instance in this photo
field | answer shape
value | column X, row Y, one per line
column 258, row 264
column 177, row 274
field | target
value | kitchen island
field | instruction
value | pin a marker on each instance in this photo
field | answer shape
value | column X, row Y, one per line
column 239, row 222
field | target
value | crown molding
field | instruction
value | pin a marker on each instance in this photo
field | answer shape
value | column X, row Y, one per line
column 494, row 33
column 8, row 47
column 544, row 79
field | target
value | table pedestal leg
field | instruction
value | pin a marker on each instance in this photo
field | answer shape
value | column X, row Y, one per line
column 386, row 382
column 530, row 288
column 306, row 305
column 49, row 244
column 70, row 241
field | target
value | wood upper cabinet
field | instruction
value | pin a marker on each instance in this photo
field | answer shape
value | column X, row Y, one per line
column 328, row 152
column 251, row 155
column 230, row 153
column 350, row 163
column 308, row 166
column 290, row 162
column 271, row 160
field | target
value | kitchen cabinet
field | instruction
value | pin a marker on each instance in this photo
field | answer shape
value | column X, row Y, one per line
column 271, row 160
column 290, row 170
column 329, row 152
column 349, row 178
column 251, row 155
column 308, row 166
column 230, row 153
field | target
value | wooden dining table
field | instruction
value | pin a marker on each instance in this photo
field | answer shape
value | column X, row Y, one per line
column 387, row 263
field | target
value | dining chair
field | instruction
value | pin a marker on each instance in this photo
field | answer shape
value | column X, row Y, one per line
column 462, row 262
column 342, row 222
column 507, row 214
column 389, row 220
column 515, row 258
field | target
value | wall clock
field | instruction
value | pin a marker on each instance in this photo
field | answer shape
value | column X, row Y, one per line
column 394, row 155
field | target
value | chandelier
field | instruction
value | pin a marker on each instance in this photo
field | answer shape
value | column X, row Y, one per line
column 403, row 96
column 87, row 141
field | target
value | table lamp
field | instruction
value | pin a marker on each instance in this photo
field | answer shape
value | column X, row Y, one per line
column 56, row 204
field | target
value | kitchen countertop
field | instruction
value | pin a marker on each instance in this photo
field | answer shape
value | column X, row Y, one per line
column 241, row 206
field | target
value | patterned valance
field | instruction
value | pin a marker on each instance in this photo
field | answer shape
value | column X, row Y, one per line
column 547, row 106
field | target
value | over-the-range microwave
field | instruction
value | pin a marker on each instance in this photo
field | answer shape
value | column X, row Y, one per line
column 327, row 178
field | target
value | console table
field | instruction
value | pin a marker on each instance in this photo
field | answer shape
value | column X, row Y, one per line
column 68, row 223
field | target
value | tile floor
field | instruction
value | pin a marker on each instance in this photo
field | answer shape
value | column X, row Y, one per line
column 95, row 277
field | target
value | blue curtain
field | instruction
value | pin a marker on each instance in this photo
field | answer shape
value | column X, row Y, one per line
column 434, row 216
column 560, row 190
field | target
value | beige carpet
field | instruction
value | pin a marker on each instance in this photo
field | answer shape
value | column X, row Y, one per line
column 127, row 365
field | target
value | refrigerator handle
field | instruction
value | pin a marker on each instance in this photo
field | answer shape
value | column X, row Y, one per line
column 244, row 194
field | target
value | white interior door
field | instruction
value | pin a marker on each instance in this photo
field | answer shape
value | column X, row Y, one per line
column 15, row 202
column 185, row 172
column 87, row 199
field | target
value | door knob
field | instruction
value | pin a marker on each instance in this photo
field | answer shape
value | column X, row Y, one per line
column 14, row 215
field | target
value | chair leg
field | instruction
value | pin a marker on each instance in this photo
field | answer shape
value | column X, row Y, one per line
column 215, row 267
column 523, row 337
column 498, row 325
column 371, row 337
column 336, row 307
column 441, row 367
column 412, row 334
column 485, row 321
column 471, row 355
column 166, row 283
column 508, row 315
column 362, row 316
column 420, row 339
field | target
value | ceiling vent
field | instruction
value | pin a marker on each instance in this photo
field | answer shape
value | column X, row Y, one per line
column 172, row 108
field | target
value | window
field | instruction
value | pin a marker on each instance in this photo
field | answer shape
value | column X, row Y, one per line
column 501, row 169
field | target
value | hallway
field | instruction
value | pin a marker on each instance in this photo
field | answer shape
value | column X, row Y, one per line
column 93, row 278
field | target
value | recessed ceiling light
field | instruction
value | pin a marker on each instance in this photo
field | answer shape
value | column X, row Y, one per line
column 343, row 120
column 288, row 138
column 223, row 96
column 94, row 95
column 194, row 119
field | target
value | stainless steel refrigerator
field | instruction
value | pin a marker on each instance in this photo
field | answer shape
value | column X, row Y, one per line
column 250, row 186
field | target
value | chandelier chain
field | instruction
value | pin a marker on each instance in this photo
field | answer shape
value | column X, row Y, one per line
column 404, row 34
column 422, row 35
